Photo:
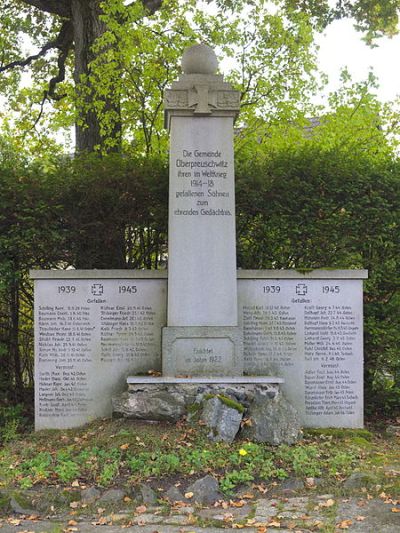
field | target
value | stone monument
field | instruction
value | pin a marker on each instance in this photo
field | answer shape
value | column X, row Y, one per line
column 202, row 336
column 259, row 337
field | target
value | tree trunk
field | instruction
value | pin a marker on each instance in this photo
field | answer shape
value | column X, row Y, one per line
column 87, row 27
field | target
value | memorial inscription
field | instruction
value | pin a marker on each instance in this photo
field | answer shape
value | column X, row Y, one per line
column 203, row 177
column 89, row 335
column 309, row 333
column 91, row 332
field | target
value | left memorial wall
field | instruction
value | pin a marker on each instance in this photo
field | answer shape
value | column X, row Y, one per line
column 89, row 335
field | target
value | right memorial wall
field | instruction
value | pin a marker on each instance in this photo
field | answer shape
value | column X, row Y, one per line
column 308, row 329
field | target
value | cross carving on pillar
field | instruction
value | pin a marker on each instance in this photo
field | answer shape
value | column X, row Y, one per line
column 203, row 99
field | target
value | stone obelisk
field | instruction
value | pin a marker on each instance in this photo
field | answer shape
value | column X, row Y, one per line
column 202, row 336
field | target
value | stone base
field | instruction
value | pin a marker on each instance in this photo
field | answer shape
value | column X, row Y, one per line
column 220, row 404
column 202, row 351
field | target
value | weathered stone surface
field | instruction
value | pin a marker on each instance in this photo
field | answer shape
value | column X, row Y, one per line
column 157, row 404
column 205, row 490
column 274, row 421
column 265, row 510
column 199, row 59
column 147, row 495
column 177, row 520
column 112, row 496
column 146, row 518
column 223, row 420
column 169, row 401
column 21, row 507
column 174, row 494
column 227, row 514
column 357, row 480
column 378, row 516
column 291, row 484
column 90, row 495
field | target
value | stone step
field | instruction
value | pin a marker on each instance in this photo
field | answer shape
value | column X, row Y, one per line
column 237, row 380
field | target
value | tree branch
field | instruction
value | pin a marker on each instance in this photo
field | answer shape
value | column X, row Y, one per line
column 151, row 5
column 55, row 7
column 27, row 61
column 65, row 41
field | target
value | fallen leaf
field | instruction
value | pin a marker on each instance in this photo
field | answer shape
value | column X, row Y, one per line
column 238, row 504
column 14, row 521
column 274, row 523
column 248, row 496
column 141, row 509
column 100, row 510
column 344, row 524
column 395, row 509
column 74, row 505
column 260, row 488
column 262, row 529
column 72, row 523
column 188, row 495
column 328, row 503
column 127, row 499
column 75, row 483
column 360, row 518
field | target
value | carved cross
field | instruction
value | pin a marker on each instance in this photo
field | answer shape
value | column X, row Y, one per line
column 203, row 99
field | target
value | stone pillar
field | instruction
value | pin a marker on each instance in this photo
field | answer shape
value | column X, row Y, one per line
column 202, row 337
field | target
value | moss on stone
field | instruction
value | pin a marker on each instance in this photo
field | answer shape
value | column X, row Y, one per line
column 209, row 396
column 226, row 400
column 229, row 402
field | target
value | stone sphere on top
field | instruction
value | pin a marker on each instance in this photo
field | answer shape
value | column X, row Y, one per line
column 199, row 59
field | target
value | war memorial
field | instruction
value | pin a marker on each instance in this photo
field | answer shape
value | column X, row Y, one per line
column 200, row 329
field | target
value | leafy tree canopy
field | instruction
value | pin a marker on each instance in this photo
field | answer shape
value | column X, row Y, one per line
column 109, row 78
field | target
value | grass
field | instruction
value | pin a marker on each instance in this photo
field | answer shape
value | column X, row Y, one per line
column 124, row 453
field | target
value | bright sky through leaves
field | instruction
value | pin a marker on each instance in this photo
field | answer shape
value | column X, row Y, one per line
column 341, row 45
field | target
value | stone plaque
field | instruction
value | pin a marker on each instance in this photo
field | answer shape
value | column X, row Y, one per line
column 202, row 351
column 201, row 238
column 90, row 334
column 308, row 331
